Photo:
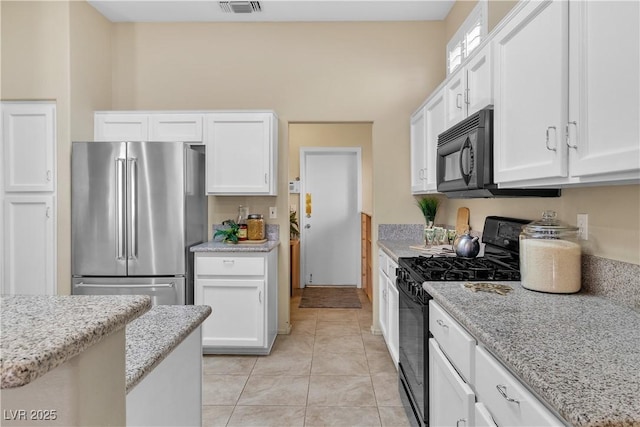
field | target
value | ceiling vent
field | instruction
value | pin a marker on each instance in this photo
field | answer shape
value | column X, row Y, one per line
column 240, row 6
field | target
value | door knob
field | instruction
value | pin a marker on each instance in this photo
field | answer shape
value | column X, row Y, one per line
column 307, row 226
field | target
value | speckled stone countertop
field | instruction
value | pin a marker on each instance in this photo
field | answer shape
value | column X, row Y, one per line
column 215, row 246
column 152, row 336
column 400, row 248
column 580, row 352
column 40, row 333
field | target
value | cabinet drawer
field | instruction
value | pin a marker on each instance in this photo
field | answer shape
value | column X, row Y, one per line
column 230, row 266
column 454, row 341
column 506, row 397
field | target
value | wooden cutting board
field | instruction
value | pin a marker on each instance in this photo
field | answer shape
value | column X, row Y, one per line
column 462, row 221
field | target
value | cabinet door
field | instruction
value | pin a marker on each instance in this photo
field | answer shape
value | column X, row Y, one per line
column 451, row 400
column 604, row 103
column 241, row 153
column 29, row 245
column 479, row 91
column 436, row 124
column 237, row 319
column 175, row 127
column 393, row 330
column 28, row 131
column 120, row 127
column 482, row 416
column 383, row 304
column 454, row 93
column 531, row 89
column 418, row 151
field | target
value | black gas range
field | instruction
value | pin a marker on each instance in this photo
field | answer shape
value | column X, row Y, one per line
column 500, row 262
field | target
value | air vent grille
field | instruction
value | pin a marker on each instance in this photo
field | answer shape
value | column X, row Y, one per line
column 240, row 6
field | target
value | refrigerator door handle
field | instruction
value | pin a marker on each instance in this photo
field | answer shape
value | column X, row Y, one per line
column 133, row 206
column 120, row 209
column 103, row 285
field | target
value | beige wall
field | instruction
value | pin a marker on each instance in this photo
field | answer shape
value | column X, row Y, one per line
column 58, row 51
column 306, row 72
column 35, row 66
column 496, row 10
column 333, row 135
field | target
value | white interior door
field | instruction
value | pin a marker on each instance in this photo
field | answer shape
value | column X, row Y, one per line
column 330, row 216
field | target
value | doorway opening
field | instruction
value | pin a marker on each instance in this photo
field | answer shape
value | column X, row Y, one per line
column 330, row 173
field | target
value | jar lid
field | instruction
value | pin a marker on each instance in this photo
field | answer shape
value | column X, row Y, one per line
column 255, row 216
column 548, row 225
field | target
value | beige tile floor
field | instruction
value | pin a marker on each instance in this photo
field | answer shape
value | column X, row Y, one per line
column 330, row 371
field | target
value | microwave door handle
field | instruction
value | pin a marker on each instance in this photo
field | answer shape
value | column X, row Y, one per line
column 466, row 146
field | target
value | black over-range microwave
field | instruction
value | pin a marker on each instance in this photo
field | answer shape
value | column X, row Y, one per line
column 464, row 165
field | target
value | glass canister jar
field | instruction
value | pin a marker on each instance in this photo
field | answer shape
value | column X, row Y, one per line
column 255, row 227
column 550, row 256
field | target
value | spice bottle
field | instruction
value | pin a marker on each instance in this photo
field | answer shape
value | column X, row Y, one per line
column 242, row 222
column 550, row 256
column 255, row 224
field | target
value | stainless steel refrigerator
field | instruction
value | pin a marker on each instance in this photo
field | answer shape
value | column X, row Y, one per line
column 136, row 209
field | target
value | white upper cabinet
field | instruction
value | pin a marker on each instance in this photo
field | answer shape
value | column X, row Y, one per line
column 418, row 128
column 28, row 132
column 530, row 84
column 175, row 127
column 470, row 88
column 241, row 151
column 455, row 90
column 567, row 94
column 426, row 124
column 110, row 126
column 604, row 89
column 141, row 126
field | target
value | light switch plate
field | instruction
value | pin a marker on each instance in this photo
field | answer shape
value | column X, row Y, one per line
column 582, row 223
column 273, row 212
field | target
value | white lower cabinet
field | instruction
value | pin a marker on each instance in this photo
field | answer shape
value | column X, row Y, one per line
column 451, row 400
column 241, row 302
column 506, row 398
column 458, row 367
column 241, row 289
column 388, row 304
column 29, row 245
column 482, row 416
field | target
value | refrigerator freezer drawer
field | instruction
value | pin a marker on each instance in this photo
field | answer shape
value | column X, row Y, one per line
column 162, row 290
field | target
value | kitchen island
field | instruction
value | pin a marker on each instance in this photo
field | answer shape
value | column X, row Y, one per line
column 71, row 360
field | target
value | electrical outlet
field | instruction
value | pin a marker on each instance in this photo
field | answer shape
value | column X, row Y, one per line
column 583, row 226
column 273, row 213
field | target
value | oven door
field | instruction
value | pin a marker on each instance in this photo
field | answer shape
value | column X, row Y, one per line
column 413, row 366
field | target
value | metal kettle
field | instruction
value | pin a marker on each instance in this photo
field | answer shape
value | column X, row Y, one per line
column 466, row 246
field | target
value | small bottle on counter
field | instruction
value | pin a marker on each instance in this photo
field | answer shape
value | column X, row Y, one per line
column 255, row 225
column 242, row 223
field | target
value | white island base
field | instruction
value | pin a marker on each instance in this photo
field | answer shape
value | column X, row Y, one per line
column 88, row 389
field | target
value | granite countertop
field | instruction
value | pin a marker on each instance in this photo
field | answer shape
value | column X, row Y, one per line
column 40, row 333
column 400, row 248
column 152, row 336
column 216, row 246
column 579, row 352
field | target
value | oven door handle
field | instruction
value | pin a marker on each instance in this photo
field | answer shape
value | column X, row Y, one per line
column 407, row 297
column 466, row 176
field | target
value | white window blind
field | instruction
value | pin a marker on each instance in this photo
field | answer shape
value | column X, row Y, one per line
column 468, row 37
